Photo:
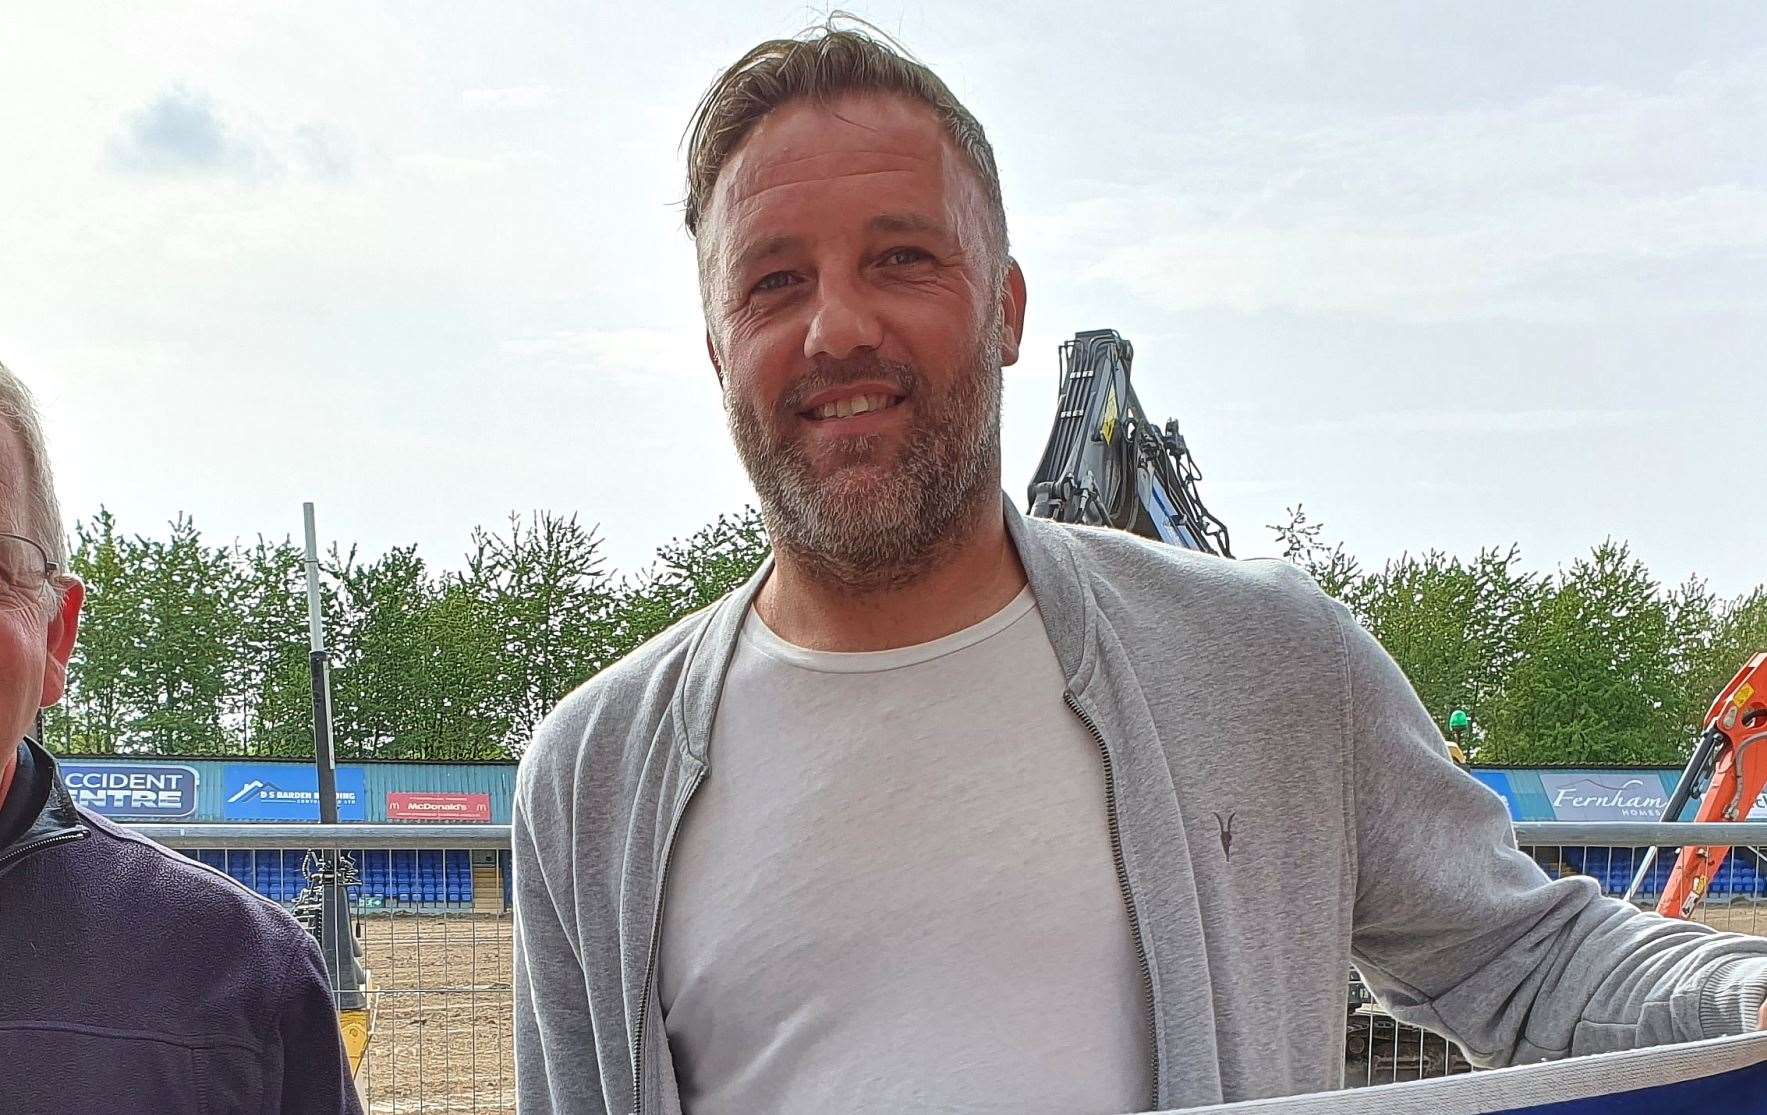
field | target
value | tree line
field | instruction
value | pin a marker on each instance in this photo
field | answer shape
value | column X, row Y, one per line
column 190, row 648
column 1595, row 663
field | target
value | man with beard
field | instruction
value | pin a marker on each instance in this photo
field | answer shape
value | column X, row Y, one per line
column 950, row 810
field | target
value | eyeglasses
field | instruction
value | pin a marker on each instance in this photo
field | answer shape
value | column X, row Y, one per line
column 24, row 565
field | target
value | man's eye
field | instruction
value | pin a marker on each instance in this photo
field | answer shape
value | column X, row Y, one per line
column 899, row 256
column 775, row 281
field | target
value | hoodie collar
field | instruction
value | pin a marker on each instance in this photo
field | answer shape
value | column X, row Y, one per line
column 1051, row 566
column 57, row 821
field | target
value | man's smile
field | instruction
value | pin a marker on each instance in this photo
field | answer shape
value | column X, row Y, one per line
column 854, row 410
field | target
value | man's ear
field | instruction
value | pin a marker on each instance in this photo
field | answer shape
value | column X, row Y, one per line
column 1012, row 313
column 712, row 355
column 64, row 628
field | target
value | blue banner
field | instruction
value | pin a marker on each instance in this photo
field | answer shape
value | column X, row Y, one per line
column 132, row 791
column 287, row 792
column 1494, row 781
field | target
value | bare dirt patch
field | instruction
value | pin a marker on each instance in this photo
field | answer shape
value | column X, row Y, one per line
column 443, row 1026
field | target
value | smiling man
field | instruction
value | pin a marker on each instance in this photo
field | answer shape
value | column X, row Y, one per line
column 950, row 810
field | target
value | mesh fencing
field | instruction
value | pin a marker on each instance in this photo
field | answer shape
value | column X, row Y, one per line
column 426, row 950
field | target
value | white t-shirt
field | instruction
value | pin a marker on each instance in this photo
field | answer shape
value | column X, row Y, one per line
column 894, row 890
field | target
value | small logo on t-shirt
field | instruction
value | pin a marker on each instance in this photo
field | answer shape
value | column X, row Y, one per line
column 1224, row 822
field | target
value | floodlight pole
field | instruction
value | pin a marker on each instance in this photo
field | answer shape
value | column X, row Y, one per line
column 324, row 758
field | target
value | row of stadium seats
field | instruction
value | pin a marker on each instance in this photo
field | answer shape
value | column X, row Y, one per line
column 426, row 877
column 1740, row 876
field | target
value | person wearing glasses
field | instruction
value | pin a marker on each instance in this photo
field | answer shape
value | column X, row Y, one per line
column 131, row 978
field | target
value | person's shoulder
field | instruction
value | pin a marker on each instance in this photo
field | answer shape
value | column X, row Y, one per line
column 622, row 702
column 179, row 886
column 1243, row 597
column 1129, row 559
column 154, row 882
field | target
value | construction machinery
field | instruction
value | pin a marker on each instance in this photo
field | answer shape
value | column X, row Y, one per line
column 1106, row 464
column 1728, row 770
column 323, row 908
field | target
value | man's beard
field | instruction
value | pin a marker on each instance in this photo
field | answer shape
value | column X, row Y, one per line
column 879, row 516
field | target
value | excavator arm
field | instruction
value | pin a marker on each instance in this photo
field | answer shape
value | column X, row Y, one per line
column 1728, row 770
column 1106, row 464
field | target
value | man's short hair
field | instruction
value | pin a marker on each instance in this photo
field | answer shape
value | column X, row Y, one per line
column 43, row 513
column 823, row 65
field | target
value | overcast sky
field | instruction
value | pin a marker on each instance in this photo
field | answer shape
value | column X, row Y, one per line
column 1449, row 276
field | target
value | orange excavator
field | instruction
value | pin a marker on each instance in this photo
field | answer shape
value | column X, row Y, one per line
column 1728, row 771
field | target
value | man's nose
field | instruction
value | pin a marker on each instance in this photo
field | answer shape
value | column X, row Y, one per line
column 844, row 321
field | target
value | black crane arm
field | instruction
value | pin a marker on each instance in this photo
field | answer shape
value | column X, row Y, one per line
column 1106, row 464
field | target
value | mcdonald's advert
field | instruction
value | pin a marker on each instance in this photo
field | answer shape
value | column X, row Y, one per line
column 439, row 808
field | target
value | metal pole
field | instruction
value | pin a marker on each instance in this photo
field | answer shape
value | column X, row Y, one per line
column 336, row 939
column 323, row 756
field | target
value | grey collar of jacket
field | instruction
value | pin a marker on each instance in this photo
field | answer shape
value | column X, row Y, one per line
column 1050, row 565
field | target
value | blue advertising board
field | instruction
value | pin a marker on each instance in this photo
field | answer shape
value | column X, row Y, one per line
column 132, row 791
column 287, row 792
column 1494, row 781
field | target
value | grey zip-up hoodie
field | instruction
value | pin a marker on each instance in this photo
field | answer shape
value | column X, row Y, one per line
column 1213, row 687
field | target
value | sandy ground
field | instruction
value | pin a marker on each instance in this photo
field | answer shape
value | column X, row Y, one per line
column 442, row 1029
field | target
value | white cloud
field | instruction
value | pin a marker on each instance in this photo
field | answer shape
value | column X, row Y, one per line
column 183, row 132
column 180, row 131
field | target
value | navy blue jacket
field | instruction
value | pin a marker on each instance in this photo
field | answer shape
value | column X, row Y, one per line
column 135, row 980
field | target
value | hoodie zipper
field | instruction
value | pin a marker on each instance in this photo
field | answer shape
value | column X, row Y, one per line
column 656, row 925
column 12, row 856
column 1110, row 808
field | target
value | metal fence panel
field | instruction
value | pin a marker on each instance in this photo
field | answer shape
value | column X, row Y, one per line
column 429, row 908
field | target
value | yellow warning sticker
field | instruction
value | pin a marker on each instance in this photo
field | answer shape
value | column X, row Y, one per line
column 1107, row 423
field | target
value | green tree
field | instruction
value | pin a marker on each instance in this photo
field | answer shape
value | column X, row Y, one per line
column 1737, row 632
column 416, row 662
column 268, row 672
column 97, row 708
column 185, row 606
column 1332, row 569
column 688, row 575
column 1454, row 628
column 1597, row 681
column 546, row 600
